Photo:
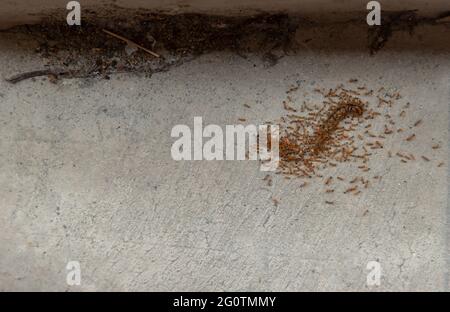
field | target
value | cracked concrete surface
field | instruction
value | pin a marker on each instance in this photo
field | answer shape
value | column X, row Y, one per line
column 86, row 175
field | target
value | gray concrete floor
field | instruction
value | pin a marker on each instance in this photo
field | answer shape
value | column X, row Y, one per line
column 86, row 175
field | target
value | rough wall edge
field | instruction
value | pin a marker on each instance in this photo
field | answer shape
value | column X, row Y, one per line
column 20, row 12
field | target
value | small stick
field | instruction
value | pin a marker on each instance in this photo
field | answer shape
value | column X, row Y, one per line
column 128, row 41
column 32, row 74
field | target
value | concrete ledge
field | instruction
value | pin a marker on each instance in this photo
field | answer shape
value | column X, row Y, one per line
column 23, row 11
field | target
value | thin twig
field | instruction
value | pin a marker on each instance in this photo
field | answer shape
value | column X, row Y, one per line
column 32, row 74
column 131, row 43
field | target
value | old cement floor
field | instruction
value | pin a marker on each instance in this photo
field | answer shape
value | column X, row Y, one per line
column 86, row 175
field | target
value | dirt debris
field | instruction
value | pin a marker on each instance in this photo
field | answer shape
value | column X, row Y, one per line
column 149, row 42
column 398, row 21
column 119, row 40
